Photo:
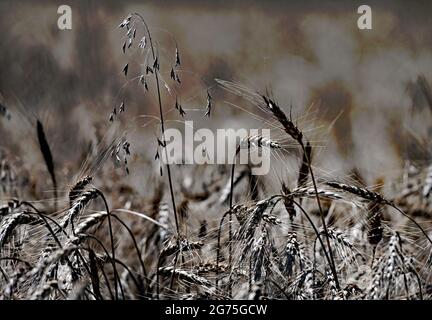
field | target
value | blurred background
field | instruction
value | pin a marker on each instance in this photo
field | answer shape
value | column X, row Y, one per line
column 362, row 96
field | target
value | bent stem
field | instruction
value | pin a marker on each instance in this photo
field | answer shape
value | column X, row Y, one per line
column 162, row 121
column 157, row 277
column 138, row 251
column 230, row 220
column 315, row 230
column 111, row 239
column 331, row 260
column 163, row 132
column 394, row 206
column 218, row 249
column 230, row 228
column 51, row 231
column 116, row 275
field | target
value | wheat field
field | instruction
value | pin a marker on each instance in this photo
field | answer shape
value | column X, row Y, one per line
column 105, row 218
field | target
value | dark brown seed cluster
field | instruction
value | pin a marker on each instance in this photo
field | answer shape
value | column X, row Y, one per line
column 361, row 192
column 289, row 127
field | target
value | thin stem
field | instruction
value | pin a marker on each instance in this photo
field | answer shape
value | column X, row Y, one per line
column 332, row 263
column 218, row 249
column 162, row 122
column 163, row 131
column 230, row 227
column 419, row 283
column 138, row 252
column 174, row 267
column 134, row 279
column 111, row 239
column 157, row 276
column 116, row 276
column 315, row 230
column 412, row 220
column 47, row 225
column 4, row 274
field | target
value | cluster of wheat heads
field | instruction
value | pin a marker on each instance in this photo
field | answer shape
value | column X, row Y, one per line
column 211, row 232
